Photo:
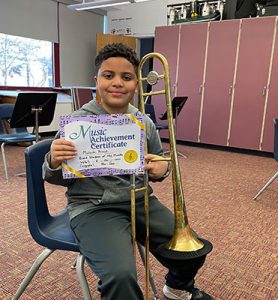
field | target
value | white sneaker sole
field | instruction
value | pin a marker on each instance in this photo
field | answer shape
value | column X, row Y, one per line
column 168, row 294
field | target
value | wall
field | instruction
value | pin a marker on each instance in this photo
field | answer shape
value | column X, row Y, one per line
column 25, row 18
column 77, row 34
column 144, row 17
column 78, row 46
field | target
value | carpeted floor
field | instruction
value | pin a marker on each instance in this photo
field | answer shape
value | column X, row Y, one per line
column 218, row 187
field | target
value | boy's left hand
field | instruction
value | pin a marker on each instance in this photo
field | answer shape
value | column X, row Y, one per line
column 156, row 169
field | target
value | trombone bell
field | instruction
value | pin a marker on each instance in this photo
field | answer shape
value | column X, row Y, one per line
column 183, row 240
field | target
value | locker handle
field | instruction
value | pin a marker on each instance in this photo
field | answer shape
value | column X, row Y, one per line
column 264, row 90
column 230, row 89
column 174, row 88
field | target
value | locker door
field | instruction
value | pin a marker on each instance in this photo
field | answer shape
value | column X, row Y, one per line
column 221, row 58
column 251, row 81
column 272, row 101
column 166, row 42
column 190, row 78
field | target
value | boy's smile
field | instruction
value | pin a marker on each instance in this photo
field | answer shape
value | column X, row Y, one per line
column 116, row 82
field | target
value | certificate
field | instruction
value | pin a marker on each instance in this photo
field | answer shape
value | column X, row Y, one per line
column 106, row 144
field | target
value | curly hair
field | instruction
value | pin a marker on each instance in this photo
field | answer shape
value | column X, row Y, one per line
column 116, row 50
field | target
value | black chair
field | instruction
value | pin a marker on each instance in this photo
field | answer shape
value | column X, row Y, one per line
column 12, row 136
column 51, row 231
column 149, row 110
column 275, row 152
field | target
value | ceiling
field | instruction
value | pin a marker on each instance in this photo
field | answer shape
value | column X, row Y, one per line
column 102, row 11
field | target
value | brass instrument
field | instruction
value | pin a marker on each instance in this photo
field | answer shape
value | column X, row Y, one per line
column 183, row 244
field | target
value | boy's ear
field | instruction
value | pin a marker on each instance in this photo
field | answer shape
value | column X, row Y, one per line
column 95, row 79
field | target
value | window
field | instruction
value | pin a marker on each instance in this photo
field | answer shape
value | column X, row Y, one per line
column 25, row 62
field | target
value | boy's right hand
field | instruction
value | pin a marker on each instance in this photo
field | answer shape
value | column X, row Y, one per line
column 61, row 150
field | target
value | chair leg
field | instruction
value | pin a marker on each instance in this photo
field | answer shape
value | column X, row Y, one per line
column 81, row 277
column 4, row 160
column 266, row 185
column 73, row 266
column 142, row 255
column 33, row 270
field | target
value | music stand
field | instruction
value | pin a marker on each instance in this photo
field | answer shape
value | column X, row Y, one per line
column 33, row 110
column 177, row 105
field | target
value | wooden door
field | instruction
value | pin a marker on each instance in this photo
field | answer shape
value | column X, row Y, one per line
column 221, row 58
column 251, row 82
column 192, row 57
column 105, row 39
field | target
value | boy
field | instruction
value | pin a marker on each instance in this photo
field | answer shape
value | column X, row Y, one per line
column 99, row 207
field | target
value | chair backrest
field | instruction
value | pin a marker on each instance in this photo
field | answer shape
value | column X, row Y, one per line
column 149, row 110
column 6, row 111
column 51, row 231
column 37, row 205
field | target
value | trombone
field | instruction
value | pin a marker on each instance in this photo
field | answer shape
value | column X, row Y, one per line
column 183, row 245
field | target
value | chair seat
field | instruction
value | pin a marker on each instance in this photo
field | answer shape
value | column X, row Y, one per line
column 55, row 233
column 17, row 137
column 160, row 127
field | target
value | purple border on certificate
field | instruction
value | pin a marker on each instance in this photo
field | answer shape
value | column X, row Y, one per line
column 106, row 144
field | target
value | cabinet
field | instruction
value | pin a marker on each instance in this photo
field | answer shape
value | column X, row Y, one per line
column 229, row 71
column 193, row 42
column 167, row 41
column 251, row 82
column 218, row 82
column 271, row 107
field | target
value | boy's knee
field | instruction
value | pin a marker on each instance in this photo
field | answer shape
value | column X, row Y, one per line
column 122, row 274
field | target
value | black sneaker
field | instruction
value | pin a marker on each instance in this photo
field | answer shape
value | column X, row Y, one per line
column 192, row 294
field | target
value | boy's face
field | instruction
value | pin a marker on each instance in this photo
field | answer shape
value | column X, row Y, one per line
column 116, row 82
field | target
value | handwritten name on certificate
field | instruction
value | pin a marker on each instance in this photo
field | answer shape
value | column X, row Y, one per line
column 106, row 144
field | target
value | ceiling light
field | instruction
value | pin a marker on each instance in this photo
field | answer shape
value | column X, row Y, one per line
column 101, row 3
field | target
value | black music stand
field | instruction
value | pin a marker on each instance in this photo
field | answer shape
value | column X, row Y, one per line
column 33, row 110
column 177, row 105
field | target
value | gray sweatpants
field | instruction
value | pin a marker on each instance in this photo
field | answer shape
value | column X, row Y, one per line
column 105, row 239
